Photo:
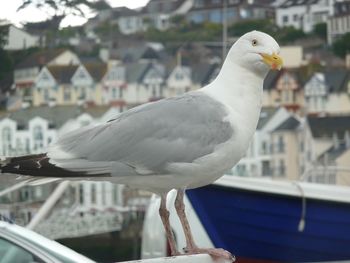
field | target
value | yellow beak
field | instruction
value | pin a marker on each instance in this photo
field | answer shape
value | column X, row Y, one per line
column 274, row 60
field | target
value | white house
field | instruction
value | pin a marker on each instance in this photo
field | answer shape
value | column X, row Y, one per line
column 31, row 131
column 258, row 160
column 27, row 71
column 17, row 39
column 328, row 92
column 179, row 81
column 145, row 82
column 339, row 23
column 303, row 15
column 324, row 143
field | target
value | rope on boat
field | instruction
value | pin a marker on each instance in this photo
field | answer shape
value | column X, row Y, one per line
column 302, row 221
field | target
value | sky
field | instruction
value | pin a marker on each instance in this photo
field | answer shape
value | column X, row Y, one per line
column 8, row 12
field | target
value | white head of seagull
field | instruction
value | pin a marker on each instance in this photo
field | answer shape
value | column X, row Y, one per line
column 257, row 52
column 240, row 81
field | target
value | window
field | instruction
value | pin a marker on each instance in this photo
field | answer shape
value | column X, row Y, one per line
column 264, row 147
column 215, row 16
column 6, row 140
column 241, row 170
column 103, row 194
column 10, row 252
column 27, row 145
column 116, row 194
column 198, row 3
column 46, row 95
column 197, row 17
column 154, row 91
column 114, row 93
column 45, row 76
column 66, row 94
column 280, row 144
column 38, row 137
column 82, row 93
column 266, row 171
column 281, row 168
column 81, row 194
column 93, row 193
column 295, row 17
column 285, row 19
column 178, row 76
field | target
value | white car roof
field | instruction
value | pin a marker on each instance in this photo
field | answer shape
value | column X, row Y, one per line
column 45, row 242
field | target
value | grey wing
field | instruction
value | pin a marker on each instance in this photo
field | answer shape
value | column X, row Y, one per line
column 147, row 138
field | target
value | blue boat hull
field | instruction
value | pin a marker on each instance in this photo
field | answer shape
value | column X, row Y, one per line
column 263, row 226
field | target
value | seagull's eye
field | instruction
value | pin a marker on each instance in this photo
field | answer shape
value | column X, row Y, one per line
column 254, row 42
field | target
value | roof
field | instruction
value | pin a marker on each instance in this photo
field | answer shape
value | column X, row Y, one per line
column 135, row 53
column 288, row 125
column 291, row 3
column 40, row 58
column 265, row 115
column 63, row 74
column 337, row 79
column 271, row 79
column 136, row 71
column 124, row 11
column 341, row 8
column 96, row 70
column 162, row 6
column 327, row 126
column 101, row 5
column 273, row 76
column 202, row 73
column 57, row 116
column 333, row 152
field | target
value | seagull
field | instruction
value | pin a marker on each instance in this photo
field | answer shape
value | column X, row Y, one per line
column 183, row 142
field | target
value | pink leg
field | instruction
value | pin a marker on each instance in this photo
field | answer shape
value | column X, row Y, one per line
column 164, row 215
column 191, row 247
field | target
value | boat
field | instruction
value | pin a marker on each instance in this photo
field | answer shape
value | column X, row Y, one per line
column 261, row 220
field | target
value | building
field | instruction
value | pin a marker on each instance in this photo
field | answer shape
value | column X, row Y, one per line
column 324, row 149
column 327, row 92
column 339, row 23
column 179, row 81
column 284, row 139
column 303, row 14
column 93, row 207
column 27, row 70
column 285, row 88
column 17, row 38
column 258, row 159
column 158, row 13
column 145, row 82
column 236, row 10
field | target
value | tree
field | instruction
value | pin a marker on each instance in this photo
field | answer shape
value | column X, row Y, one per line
column 341, row 46
column 289, row 34
column 65, row 7
column 3, row 35
column 320, row 30
column 240, row 28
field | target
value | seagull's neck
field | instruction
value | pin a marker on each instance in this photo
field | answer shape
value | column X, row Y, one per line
column 237, row 88
column 240, row 90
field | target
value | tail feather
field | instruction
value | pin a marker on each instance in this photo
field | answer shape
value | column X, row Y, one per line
column 35, row 165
